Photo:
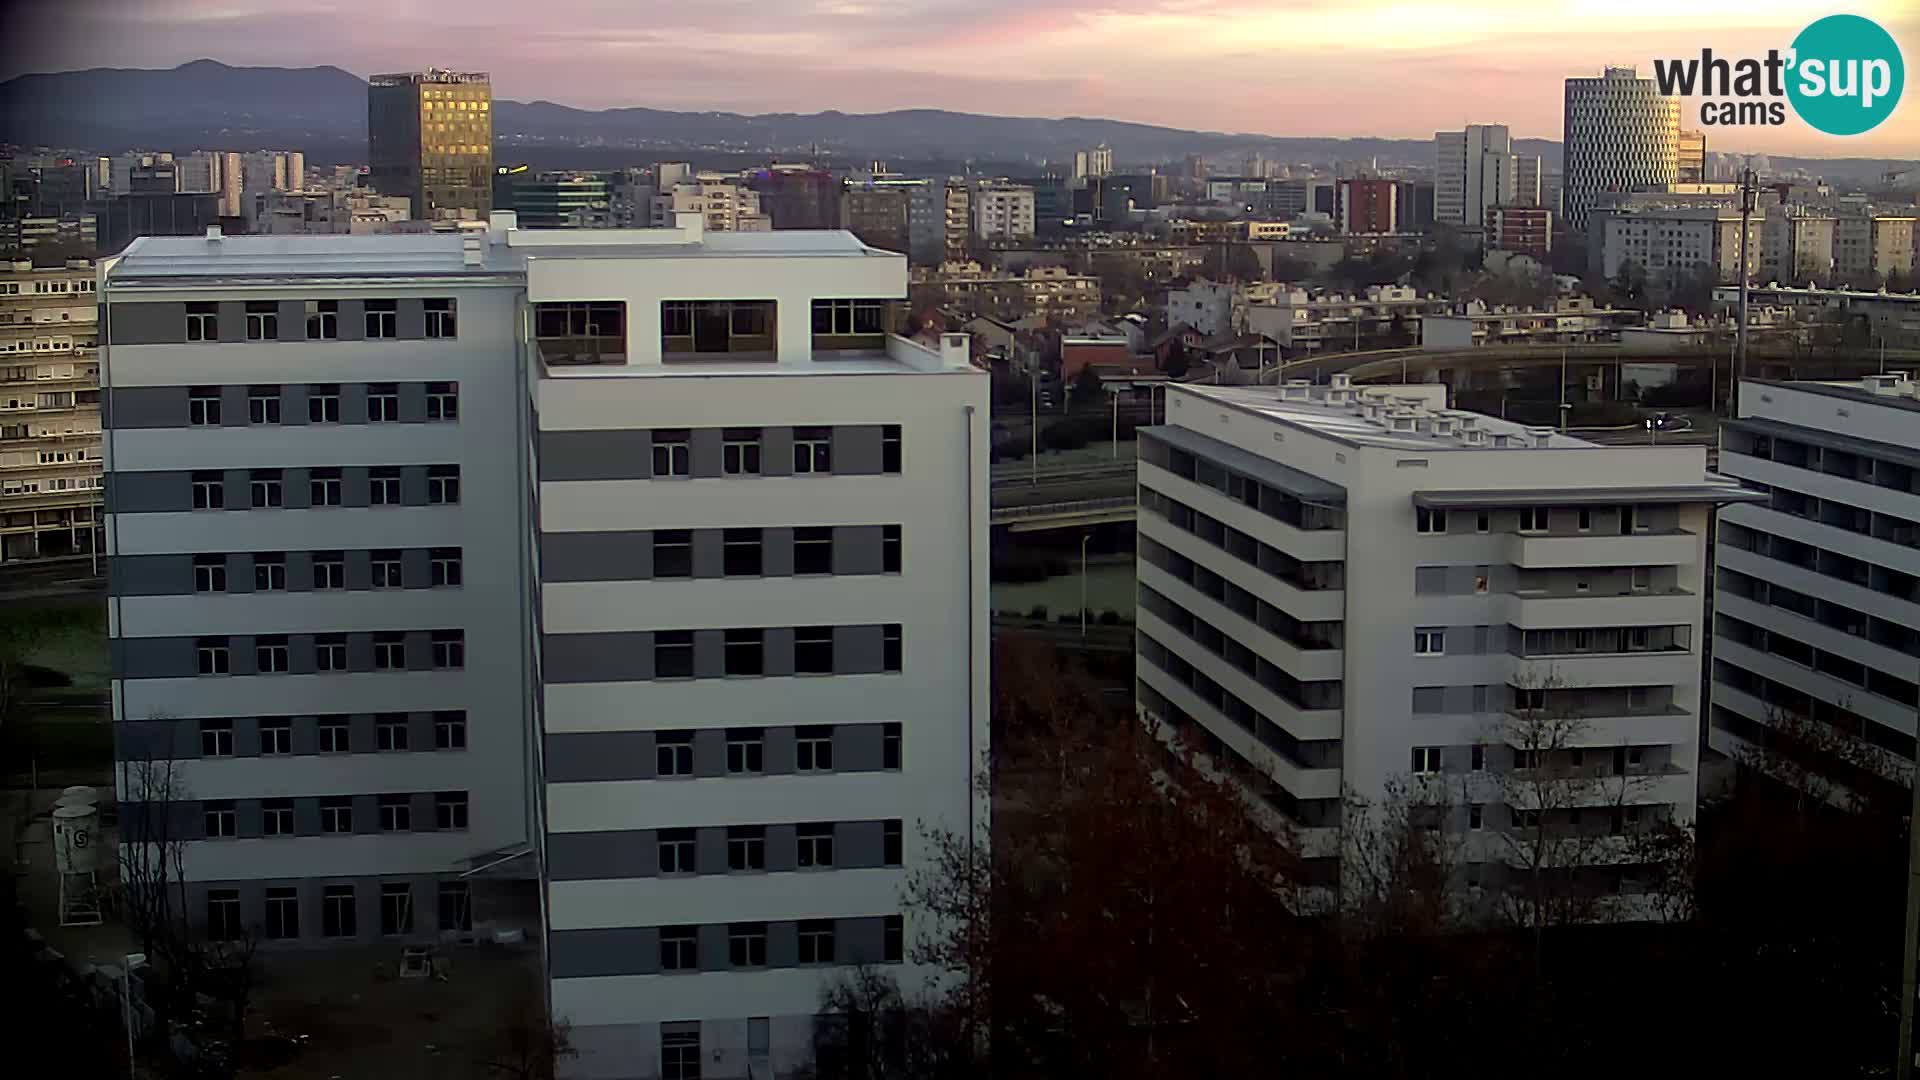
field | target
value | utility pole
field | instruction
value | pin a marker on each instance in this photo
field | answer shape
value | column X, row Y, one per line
column 1033, row 429
column 1564, row 407
column 1746, row 275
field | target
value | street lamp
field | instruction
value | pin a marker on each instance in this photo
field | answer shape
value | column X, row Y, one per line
column 1083, row 582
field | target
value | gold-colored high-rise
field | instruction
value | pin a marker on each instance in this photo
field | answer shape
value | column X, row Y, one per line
column 430, row 138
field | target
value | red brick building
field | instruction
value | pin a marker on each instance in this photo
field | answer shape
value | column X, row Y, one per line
column 1525, row 229
column 1366, row 205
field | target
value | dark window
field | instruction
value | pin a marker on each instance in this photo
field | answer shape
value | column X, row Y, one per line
column 329, row 570
column 892, row 843
column 672, row 452
column 323, row 320
column 276, row 817
column 390, row 731
column 746, row 751
column 890, row 746
column 396, row 813
column 813, row 550
column 745, row 652
column 390, row 651
column 450, row 810
column 747, row 945
column 209, row 491
column 813, row 650
column 223, row 914
column 336, row 815
column 741, row 552
column 324, row 487
column 383, row 485
column 680, row 1053
column 740, row 452
column 264, row 488
column 385, row 565
column 337, row 915
column 456, row 906
column 673, row 654
column 816, row 845
column 383, row 403
column 269, row 571
column 203, row 321
column 396, row 908
column 263, row 405
column 443, row 484
column 211, row 653
column 673, row 753
column 676, row 851
column 440, row 318
column 276, row 735
column 446, row 567
column 283, row 913
column 203, row 406
column 812, row 450
column 813, row 749
column 221, row 822
column 383, row 319
column 891, row 647
column 816, row 941
column 746, row 847
column 335, row 735
column 890, row 448
column 323, row 403
column 893, row 940
column 443, row 401
column 449, row 730
column 672, row 554
column 216, row 738
column 449, row 650
column 890, row 549
column 263, row 320
column 209, row 573
column 680, row 951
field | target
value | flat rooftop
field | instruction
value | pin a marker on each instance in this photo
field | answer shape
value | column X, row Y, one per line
column 1858, row 390
column 1347, row 422
column 158, row 259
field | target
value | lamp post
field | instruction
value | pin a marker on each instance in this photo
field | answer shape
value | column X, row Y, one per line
column 1033, row 427
column 1083, row 582
column 1115, row 394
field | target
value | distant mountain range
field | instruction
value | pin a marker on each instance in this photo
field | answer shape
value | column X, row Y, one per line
column 323, row 110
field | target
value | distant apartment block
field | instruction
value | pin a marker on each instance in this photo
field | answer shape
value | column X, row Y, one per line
column 1817, row 594
column 50, row 458
column 725, row 204
column 1692, row 157
column 1524, row 229
column 1366, row 205
column 1476, row 169
column 430, row 139
column 1797, row 244
column 1620, row 134
column 1002, row 211
column 623, row 587
column 1345, row 588
column 1868, row 246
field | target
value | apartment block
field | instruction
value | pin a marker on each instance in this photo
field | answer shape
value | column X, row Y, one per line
column 725, row 203
column 1002, row 211
column 1869, row 246
column 626, row 587
column 1620, row 134
column 1817, row 587
column 1346, row 588
column 1476, row 169
column 1797, row 244
column 1672, row 239
column 49, row 411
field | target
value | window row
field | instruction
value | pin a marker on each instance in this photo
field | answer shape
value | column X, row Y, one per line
column 1568, row 762
column 746, row 750
column 1624, row 520
column 270, row 736
column 1301, row 753
column 723, row 653
column 274, row 320
column 718, row 752
column 1823, row 561
column 744, row 651
column 1241, row 488
column 1299, row 693
column 1892, row 685
column 1859, row 465
column 713, row 553
column 759, row 848
column 329, row 815
column 379, row 485
column 743, row 449
column 1323, row 634
column 379, row 650
column 1530, row 702
column 1295, row 572
column 321, row 403
column 280, row 571
column 672, row 950
column 288, row 912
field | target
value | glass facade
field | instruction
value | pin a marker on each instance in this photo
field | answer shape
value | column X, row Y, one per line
column 430, row 138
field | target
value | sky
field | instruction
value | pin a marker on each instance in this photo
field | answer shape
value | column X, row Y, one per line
column 1394, row 68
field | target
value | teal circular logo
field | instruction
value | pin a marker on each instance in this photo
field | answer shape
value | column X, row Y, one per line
column 1846, row 75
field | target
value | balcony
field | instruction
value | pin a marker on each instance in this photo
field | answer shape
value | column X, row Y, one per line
column 1676, row 547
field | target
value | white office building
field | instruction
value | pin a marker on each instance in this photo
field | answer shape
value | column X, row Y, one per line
column 1003, row 211
column 1476, row 169
column 1817, row 589
column 1621, row 133
column 1342, row 588
column 626, row 588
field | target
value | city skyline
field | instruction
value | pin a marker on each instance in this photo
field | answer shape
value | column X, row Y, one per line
column 1293, row 71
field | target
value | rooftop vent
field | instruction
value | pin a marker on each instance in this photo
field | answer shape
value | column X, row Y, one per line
column 1892, row 384
column 1540, row 435
column 470, row 250
column 213, row 233
column 1473, row 436
column 1340, row 381
column 1296, row 390
column 1443, row 425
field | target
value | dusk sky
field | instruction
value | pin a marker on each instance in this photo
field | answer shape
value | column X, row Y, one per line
column 1398, row 68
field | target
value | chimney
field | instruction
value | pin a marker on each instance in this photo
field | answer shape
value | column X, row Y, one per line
column 956, row 350
column 213, row 234
column 693, row 225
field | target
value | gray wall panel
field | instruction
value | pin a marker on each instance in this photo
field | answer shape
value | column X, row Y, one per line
column 709, row 654
column 704, row 452
column 413, row 485
column 157, row 658
column 856, row 747
column 150, row 492
column 353, row 320
column 411, row 320
column 857, row 649
column 597, row 657
column 586, row 953
column 147, row 324
column 856, row 449
column 776, row 551
column 125, row 408
column 595, row 455
column 592, row 856
column 782, row 849
column 233, row 406
column 233, row 320
column 600, row 755
column 413, row 402
column 150, row 575
column 858, row 844
column 596, row 556
column 779, row 753
column 778, row 643
column 856, row 549
column 859, row 941
column 708, row 553
column 776, row 451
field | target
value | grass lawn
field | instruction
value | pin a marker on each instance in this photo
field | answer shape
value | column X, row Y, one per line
column 73, row 641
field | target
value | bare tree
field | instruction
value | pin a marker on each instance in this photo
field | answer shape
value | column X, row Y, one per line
column 1819, row 763
column 1402, row 860
column 868, row 1030
column 527, row 1044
